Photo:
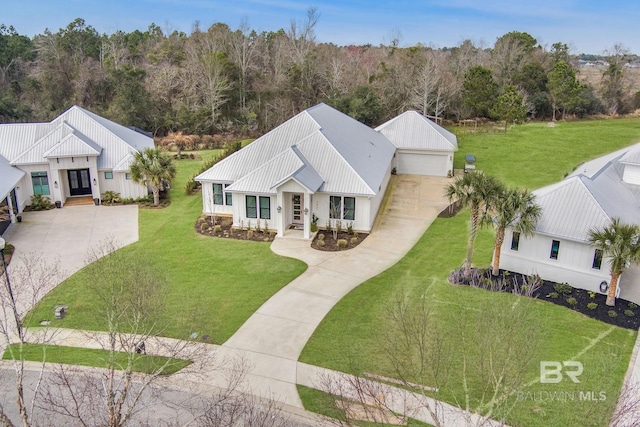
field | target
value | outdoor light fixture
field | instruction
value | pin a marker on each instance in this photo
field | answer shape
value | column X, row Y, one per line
column 306, row 211
column 94, row 181
column 279, row 208
column 55, row 184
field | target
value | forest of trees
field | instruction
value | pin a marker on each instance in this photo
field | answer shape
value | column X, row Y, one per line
column 224, row 80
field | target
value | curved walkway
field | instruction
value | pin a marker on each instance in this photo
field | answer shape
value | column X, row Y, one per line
column 274, row 336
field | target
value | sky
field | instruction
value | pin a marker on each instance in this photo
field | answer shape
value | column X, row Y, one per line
column 587, row 26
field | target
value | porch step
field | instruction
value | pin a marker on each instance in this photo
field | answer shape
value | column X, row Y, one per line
column 79, row 201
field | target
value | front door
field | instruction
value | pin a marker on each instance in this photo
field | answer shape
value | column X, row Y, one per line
column 79, row 183
column 298, row 207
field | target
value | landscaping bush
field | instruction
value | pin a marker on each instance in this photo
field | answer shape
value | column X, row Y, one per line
column 553, row 295
column 40, row 203
column 342, row 243
column 629, row 313
column 110, row 197
column 592, row 306
column 320, row 242
column 572, row 301
column 612, row 313
column 217, row 228
column 563, row 288
column 592, row 294
column 632, row 306
column 249, row 234
column 320, row 237
column 354, row 240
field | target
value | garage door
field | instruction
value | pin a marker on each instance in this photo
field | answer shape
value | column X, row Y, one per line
column 422, row 164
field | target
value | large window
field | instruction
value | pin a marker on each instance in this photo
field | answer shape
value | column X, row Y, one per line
column 555, row 248
column 342, row 207
column 597, row 259
column 40, row 183
column 515, row 241
column 265, row 207
column 217, row 194
column 252, row 209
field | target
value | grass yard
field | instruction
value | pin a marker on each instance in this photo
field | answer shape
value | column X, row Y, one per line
column 349, row 338
column 93, row 357
column 213, row 285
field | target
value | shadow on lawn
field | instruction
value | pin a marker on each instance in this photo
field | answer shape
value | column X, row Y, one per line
column 625, row 314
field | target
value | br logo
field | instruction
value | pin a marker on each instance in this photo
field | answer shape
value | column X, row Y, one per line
column 551, row 371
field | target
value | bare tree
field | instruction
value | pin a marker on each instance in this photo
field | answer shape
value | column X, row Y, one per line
column 244, row 48
column 34, row 278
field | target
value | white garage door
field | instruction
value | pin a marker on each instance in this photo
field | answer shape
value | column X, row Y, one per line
column 422, row 164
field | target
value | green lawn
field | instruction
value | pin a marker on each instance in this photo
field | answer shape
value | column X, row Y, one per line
column 349, row 338
column 94, row 357
column 213, row 285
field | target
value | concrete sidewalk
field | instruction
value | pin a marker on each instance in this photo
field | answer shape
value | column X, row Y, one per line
column 274, row 336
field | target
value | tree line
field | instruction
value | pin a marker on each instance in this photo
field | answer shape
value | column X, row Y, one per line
column 224, row 80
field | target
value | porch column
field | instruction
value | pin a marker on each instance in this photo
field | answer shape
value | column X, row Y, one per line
column 12, row 215
column 280, row 214
column 307, row 216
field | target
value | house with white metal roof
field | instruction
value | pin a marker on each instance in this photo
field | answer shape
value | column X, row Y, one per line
column 321, row 163
column 77, row 154
column 422, row 146
column 596, row 192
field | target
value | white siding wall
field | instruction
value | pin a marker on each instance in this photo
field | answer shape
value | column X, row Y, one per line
column 26, row 185
column 240, row 212
column 631, row 174
column 573, row 265
column 129, row 188
column 108, row 184
column 207, row 201
column 363, row 214
column 377, row 200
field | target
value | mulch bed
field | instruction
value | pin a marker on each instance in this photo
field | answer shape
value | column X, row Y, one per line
column 451, row 210
column 221, row 226
column 627, row 314
column 331, row 244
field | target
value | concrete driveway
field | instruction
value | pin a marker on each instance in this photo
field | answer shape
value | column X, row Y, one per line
column 273, row 337
column 64, row 237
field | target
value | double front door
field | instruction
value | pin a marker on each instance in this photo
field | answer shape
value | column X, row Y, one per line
column 79, row 182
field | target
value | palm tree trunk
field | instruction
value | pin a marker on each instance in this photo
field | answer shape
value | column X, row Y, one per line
column 475, row 215
column 497, row 249
column 611, row 296
column 156, row 196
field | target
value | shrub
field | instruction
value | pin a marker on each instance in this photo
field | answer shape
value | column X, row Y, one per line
column 354, row 240
column 592, row 294
column 191, row 186
column 127, row 201
column 592, row 306
column 632, row 306
column 217, row 228
column 342, row 243
column 320, row 243
column 563, row 288
column 272, row 234
column 146, row 199
column 314, row 227
column 265, row 229
column 40, row 203
column 553, row 295
column 204, row 226
column 629, row 313
column 110, row 197
column 350, row 229
column 249, row 225
column 612, row 313
column 249, row 234
column 328, row 227
column 320, row 237
column 572, row 301
column 339, row 226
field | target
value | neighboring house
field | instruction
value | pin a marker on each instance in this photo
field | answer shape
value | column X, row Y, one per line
column 423, row 147
column 590, row 197
column 77, row 154
column 319, row 163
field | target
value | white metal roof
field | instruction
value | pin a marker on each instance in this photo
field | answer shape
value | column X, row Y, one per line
column 11, row 176
column 73, row 145
column 329, row 146
column 590, row 197
column 413, row 131
column 28, row 143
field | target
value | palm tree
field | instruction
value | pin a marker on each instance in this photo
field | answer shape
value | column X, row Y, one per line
column 478, row 192
column 621, row 244
column 153, row 167
column 517, row 209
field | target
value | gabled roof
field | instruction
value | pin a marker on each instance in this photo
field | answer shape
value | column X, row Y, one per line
column 10, row 177
column 590, row 197
column 413, row 131
column 33, row 143
column 320, row 147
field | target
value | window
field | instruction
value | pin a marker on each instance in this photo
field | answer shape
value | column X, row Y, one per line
column 515, row 241
column 265, row 207
column 597, row 259
column 555, row 248
column 127, row 175
column 108, row 175
column 217, row 194
column 252, row 211
column 228, row 197
column 349, row 208
column 40, row 183
column 342, row 207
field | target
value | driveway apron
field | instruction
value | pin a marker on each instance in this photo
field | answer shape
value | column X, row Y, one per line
column 274, row 336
